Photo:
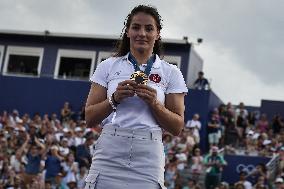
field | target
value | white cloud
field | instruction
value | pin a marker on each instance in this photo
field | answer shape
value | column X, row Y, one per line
column 232, row 82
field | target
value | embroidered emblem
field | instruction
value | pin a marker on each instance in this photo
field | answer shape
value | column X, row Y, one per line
column 155, row 78
column 117, row 73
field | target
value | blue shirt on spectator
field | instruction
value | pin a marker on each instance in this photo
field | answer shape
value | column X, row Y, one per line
column 53, row 166
column 33, row 164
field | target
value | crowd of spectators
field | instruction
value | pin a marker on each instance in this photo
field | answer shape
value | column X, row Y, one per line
column 52, row 151
column 236, row 131
column 45, row 152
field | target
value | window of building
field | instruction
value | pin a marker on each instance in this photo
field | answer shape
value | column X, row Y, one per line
column 23, row 61
column 1, row 55
column 176, row 60
column 103, row 55
column 74, row 64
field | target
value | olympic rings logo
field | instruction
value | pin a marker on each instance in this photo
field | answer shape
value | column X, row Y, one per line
column 246, row 168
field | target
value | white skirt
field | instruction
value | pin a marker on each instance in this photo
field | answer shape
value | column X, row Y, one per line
column 127, row 158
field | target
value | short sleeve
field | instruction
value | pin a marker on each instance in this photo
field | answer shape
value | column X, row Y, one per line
column 176, row 82
column 101, row 73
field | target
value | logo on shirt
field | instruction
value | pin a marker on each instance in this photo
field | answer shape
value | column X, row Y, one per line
column 155, row 78
column 117, row 73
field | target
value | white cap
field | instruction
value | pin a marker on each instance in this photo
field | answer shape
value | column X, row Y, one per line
column 250, row 132
column 181, row 157
column 22, row 129
column 65, row 130
column 78, row 129
column 65, row 139
column 255, row 135
column 88, row 130
column 265, row 142
column 279, row 180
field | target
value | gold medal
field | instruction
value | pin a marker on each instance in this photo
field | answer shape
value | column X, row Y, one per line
column 139, row 77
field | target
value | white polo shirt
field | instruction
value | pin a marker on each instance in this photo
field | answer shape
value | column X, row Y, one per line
column 133, row 112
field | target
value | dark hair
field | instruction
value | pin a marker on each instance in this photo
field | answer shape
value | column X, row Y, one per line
column 123, row 44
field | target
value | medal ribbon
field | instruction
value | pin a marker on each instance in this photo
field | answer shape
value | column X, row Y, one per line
column 150, row 63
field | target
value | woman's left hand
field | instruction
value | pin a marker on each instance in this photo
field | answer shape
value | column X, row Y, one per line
column 146, row 93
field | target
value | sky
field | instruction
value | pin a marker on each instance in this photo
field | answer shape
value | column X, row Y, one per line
column 243, row 40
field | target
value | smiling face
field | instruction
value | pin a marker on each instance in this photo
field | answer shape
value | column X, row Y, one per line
column 142, row 33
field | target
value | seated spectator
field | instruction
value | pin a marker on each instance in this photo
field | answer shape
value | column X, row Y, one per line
column 239, row 186
column 261, row 182
column 168, row 143
column 14, row 118
column 197, row 164
column 79, row 136
column 223, row 185
column 83, row 151
column 247, row 184
column 259, row 175
column 279, row 183
column 171, row 174
column 201, row 83
column 190, row 184
column 70, row 168
column 81, row 176
column 64, row 149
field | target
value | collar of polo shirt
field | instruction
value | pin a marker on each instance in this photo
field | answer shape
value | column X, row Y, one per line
column 156, row 64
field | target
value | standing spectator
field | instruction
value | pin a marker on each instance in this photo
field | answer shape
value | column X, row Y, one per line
column 79, row 136
column 214, row 163
column 231, row 132
column 195, row 125
column 201, row 83
column 277, row 124
column 241, row 108
column 213, row 128
column 190, row 184
column 241, row 124
column 16, row 162
column 64, row 149
column 14, row 118
column 262, row 124
column 53, row 164
column 66, row 114
column 34, row 156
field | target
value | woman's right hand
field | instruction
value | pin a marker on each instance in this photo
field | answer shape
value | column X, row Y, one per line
column 124, row 90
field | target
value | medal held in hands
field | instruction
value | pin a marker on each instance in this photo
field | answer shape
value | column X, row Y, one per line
column 139, row 76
